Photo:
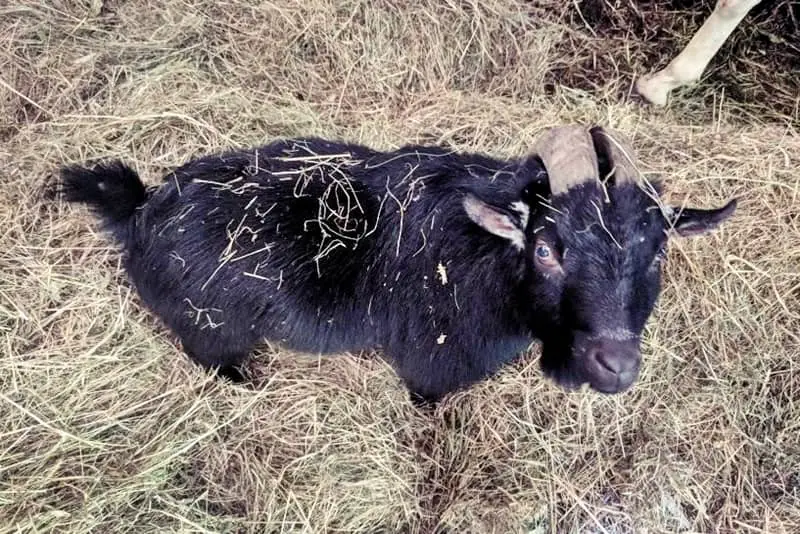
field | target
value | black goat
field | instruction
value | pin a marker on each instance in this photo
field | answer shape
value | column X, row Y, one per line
column 451, row 263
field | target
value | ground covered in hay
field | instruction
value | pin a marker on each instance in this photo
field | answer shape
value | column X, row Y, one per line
column 106, row 427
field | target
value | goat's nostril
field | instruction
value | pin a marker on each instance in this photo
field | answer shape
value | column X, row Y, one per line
column 609, row 363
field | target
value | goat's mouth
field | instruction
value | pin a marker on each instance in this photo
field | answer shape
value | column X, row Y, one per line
column 572, row 380
column 619, row 385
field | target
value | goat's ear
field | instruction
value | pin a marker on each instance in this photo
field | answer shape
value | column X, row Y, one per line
column 498, row 221
column 693, row 222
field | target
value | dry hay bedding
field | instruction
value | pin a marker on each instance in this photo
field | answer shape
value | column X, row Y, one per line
column 107, row 427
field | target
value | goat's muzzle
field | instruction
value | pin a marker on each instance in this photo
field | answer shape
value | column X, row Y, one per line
column 609, row 365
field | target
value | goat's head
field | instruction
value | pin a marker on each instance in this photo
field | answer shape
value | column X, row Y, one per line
column 594, row 235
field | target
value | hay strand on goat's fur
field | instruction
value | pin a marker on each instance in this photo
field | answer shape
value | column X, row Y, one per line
column 569, row 157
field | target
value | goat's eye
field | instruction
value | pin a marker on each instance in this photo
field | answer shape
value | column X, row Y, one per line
column 542, row 252
column 545, row 258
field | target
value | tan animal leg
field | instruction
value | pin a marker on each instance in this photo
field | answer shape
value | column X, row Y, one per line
column 689, row 65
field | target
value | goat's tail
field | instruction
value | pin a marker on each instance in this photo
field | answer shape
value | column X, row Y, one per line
column 112, row 191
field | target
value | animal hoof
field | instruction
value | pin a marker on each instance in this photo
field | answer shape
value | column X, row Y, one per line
column 652, row 91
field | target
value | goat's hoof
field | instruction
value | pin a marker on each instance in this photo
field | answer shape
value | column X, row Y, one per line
column 651, row 90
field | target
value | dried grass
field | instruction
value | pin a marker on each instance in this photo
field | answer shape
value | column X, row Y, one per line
column 106, row 427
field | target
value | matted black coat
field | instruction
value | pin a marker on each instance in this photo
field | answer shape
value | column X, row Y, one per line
column 450, row 263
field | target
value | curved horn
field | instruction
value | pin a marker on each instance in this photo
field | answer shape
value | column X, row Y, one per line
column 621, row 156
column 569, row 157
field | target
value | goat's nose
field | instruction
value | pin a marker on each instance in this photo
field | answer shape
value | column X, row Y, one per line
column 613, row 365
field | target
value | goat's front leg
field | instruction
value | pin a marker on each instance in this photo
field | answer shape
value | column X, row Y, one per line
column 689, row 65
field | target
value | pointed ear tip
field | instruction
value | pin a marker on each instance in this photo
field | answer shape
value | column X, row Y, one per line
column 728, row 209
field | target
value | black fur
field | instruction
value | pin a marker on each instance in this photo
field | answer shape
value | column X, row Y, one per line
column 329, row 247
column 112, row 190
